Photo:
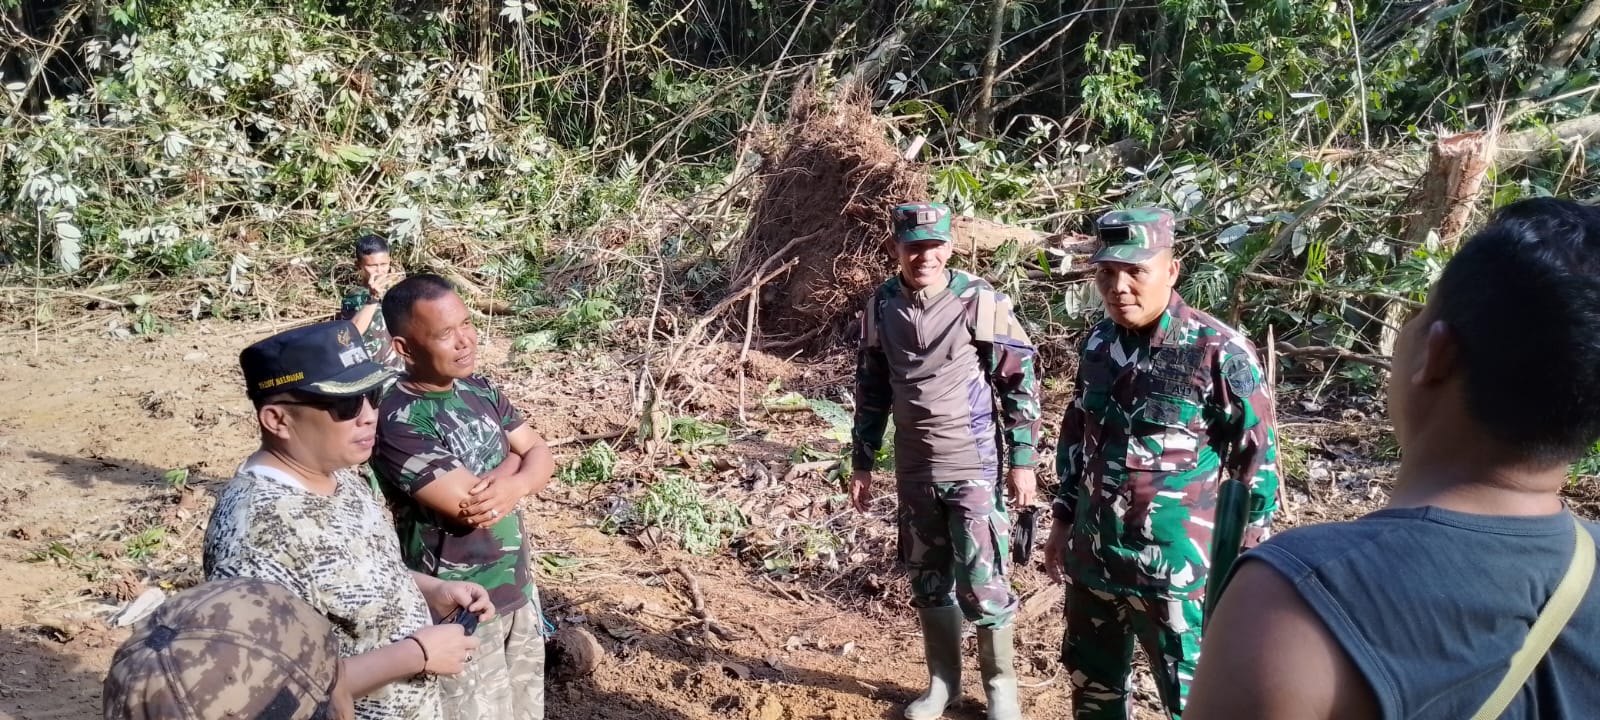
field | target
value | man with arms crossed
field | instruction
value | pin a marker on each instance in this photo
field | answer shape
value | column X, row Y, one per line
column 456, row 460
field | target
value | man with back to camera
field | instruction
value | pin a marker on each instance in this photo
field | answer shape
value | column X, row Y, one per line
column 238, row 647
column 1416, row 610
column 456, row 460
column 1168, row 400
column 939, row 350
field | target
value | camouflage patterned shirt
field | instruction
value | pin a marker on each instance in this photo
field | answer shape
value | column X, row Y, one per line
column 1154, row 418
column 339, row 554
column 920, row 361
column 377, row 339
column 423, row 436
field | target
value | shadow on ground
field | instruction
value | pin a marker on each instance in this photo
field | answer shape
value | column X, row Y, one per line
column 40, row 680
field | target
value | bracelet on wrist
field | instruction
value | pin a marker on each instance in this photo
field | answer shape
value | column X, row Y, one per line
column 424, row 650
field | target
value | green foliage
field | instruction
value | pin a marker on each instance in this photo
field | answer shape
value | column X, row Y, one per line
column 177, row 479
column 216, row 145
column 1587, row 466
column 679, row 507
column 1113, row 96
column 146, row 543
column 800, row 544
column 692, row 434
column 594, row 467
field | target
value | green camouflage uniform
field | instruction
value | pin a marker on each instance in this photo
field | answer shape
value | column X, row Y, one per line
column 377, row 339
column 236, row 648
column 422, row 437
column 1155, row 419
column 938, row 360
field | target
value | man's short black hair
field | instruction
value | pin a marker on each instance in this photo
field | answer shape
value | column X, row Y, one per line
column 370, row 244
column 402, row 299
column 1523, row 300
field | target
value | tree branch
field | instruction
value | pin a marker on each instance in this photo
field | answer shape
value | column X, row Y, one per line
column 1333, row 353
column 991, row 59
column 1566, row 46
column 1520, row 147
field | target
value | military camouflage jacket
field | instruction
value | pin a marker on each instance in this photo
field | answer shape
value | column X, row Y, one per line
column 936, row 359
column 1154, row 419
column 377, row 339
column 422, row 437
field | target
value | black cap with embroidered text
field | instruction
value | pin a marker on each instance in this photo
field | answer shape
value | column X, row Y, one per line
column 327, row 358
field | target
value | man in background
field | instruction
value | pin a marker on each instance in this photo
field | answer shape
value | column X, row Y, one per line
column 362, row 303
column 1169, row 401
column 940, row 351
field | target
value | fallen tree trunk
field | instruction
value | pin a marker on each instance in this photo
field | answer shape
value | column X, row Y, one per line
column 1521, row 147
column 1572, row 36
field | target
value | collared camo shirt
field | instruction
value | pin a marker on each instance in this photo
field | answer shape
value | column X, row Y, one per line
column 1155, row 417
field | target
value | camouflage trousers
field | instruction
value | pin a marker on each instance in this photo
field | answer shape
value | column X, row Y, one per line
column 1098, row 649
column 955, row 543
column 505, row 678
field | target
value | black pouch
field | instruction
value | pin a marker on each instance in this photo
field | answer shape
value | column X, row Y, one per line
column 466, row 619
column 1022, row 534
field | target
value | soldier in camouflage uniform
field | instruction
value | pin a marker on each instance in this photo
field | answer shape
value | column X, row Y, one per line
column 362, row 303
column 939, row 350
column 240, row 648
column 456, row 460
column 1168, row 399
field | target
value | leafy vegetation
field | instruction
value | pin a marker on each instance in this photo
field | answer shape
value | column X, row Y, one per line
column 210, row 146
column 594, row 467
column 678, row 506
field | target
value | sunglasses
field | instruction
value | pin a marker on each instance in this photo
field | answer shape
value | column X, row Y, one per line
column 343, row 409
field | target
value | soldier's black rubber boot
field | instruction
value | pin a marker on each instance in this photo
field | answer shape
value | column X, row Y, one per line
column 997, row 660
column 941, row 644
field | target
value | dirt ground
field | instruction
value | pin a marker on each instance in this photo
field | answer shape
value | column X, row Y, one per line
column 92, row 514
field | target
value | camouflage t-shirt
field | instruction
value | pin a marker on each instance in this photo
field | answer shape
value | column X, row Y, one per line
column 421, row 438
column 339, row 554
column 377, row 339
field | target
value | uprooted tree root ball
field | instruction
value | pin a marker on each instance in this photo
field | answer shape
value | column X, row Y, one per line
column 830, row 177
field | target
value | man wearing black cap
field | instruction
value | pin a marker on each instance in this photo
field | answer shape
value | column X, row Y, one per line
column 297, row 515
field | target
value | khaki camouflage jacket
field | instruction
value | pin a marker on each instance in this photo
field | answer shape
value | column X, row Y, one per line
column 1155, row 418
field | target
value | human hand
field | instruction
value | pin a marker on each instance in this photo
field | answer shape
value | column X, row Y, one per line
column 490, row 502
column 861, row 490
column 1055, row 551
column 1022, row 485
column 446, row 648
column 447, row 596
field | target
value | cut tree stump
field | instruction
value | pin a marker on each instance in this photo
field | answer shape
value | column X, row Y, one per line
column 1444, row 199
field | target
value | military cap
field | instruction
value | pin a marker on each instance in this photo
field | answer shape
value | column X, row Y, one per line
column 915, row 222
column 235, row 648
column 327, row 358
column 1134, row 235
